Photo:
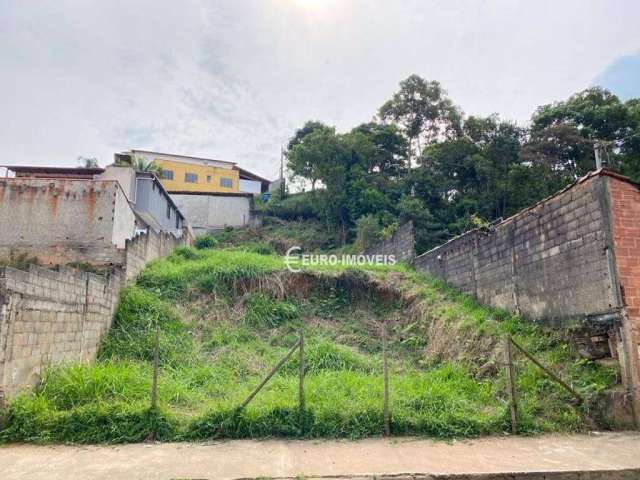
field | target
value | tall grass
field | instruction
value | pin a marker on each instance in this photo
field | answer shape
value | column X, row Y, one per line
column 207, row 369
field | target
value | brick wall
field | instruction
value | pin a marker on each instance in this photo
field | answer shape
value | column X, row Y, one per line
column 551, row 262
column 401, row 244
column 50, row 317
column 625, row 209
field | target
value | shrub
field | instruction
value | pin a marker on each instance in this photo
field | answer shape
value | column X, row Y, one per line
column 260, row 248
column 299, row 206
column 183, row 253
column 132, row 336
column 263, row 311
column 205, row 241
column 368, row 232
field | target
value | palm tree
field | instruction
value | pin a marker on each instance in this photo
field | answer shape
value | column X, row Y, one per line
column 139, row 164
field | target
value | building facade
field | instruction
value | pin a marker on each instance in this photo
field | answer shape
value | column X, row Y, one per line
column 181, row 173
column 63, row 215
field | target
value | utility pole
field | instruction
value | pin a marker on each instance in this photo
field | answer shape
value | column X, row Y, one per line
column 282, row 185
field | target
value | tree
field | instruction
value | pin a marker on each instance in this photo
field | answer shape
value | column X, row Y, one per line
column 140, row 164
column 424, row 113
column 593, row 116
column 305, row 165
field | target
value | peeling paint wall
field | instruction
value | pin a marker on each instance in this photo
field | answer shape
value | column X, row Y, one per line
column 61, row 221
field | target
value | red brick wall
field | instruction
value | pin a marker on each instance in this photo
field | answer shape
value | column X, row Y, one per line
column 625, row 216
column 625, row 211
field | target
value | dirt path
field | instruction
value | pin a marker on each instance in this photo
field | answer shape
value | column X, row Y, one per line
column 279, row 458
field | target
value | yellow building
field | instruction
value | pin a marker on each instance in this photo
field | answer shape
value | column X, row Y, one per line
column 184, row 174
column 192, row 174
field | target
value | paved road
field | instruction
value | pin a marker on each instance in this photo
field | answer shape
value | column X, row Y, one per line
column 280, row 458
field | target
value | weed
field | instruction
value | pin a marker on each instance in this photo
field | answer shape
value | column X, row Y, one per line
column 209, row 367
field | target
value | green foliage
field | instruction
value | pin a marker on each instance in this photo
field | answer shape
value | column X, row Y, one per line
column 132, row 335
column 425, row 161
column 205, row 241
column 212, row 270
column 368, row 232
column 299, row 206
column 260, row 248
column 208, row 367
column 263, row 311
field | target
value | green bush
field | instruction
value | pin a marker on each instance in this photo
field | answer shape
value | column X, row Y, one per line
column 299, row 206
column 183, row 253
column 264, row 311
column 132, row 335
column 210, row 365
column 205, row 241
column 368, row 232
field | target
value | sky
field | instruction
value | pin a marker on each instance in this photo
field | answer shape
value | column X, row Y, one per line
column 234, row 79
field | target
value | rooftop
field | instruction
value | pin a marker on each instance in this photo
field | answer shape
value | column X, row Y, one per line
column 184, row 157
column 53, row 172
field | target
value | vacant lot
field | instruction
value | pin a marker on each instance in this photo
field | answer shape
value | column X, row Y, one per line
column 226, row 316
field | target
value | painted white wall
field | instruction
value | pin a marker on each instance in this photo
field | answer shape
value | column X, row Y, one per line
column 210, row 212
column 126, row 177
column 250, row 186
column 124, row 220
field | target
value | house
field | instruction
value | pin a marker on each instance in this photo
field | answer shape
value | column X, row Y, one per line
column 150, row 201
column 182, row 173
column 213, row 194
column 65, row 215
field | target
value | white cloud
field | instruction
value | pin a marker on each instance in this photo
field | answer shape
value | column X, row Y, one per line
column 232, row 79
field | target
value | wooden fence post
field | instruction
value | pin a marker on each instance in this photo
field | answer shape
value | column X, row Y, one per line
column 386, row 413
column 511, row 384
column 156, row 361
column 551, row 375
column 301, row 386
column 269, row 375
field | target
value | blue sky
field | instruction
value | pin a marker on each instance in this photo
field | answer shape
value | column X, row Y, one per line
column 233, row 79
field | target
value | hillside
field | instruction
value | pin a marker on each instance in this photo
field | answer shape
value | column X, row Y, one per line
column 226, row 316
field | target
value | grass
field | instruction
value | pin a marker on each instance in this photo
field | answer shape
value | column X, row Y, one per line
column 218, row 342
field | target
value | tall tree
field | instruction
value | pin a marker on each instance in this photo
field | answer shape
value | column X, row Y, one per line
column 423, row 111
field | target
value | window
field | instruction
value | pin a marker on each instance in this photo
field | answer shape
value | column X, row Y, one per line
column 208, row 178
column 226, row 182
column 167, row 174
column 191, row 177
column 168, row 210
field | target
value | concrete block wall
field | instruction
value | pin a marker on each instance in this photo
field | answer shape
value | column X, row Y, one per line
column 625, row 210
column 572, row 261
column 147, row 247
column 401, row 244
column 50, row 317
column 551, row 262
